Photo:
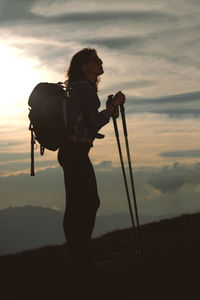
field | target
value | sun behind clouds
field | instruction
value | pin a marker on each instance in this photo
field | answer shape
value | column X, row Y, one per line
column 18, row 74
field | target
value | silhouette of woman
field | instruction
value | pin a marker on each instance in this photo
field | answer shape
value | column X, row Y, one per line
column 82, row 200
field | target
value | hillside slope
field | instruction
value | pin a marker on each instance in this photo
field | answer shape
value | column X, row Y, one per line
column 168, row 268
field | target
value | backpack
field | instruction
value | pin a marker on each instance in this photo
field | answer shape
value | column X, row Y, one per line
column 54, row 115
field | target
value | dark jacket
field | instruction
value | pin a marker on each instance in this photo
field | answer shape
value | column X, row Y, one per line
column 89, row 103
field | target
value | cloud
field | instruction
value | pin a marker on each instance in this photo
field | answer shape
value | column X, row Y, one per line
column 175, row 106
column 13, row 10
column 46, row 188
column 28, row 11
column 23, row 166
column 167, row 38
column 104, row 165
column 110, row 16
column 169, row 189
column 149, row 50
column 172, row 178
column 13, row 162
column 181, row 153
column 128, row 85
column 5, row 144
column 179, row 113
column 178, row 98
column 156, row 34
column 13, row 156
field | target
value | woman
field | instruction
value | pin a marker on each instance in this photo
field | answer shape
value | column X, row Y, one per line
column 82, row 200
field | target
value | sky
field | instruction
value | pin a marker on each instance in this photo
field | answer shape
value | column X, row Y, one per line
column 150, row 51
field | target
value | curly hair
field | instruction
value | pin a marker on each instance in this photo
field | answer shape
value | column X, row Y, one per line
column 75, row 72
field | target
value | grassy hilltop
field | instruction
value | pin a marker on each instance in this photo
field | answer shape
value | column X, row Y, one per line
column 169, row 267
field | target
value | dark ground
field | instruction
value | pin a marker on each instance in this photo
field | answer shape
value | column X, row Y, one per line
column 169, row 268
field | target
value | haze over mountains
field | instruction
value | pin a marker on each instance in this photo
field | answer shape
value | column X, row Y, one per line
column 29, row 227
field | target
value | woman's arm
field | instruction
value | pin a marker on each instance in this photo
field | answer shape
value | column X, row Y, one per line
column 89, row 103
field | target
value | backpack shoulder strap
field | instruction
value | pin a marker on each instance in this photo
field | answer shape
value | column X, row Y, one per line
column 72, row 84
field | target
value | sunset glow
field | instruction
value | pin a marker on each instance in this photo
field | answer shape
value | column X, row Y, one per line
column 18, row 75
column 150, row 51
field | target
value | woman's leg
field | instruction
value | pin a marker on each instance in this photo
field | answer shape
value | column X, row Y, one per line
column 82, row 202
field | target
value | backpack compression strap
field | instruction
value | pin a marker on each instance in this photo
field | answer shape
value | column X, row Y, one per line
column 32, row 149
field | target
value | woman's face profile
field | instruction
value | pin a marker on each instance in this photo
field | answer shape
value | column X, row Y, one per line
column 93, row 66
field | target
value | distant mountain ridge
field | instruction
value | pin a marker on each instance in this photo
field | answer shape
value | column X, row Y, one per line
column 29, row 227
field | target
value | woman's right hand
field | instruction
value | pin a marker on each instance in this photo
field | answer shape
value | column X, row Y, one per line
column 118, row 99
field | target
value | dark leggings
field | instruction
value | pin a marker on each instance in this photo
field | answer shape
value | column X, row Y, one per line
column 82, row 200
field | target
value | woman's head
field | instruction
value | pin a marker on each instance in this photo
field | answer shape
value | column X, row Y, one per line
column 83, row 62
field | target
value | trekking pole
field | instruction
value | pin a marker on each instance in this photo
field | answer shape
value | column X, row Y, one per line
column 122, row 110
column 124, row 174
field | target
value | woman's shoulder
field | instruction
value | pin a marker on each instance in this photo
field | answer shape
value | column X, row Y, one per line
column 84, row 88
